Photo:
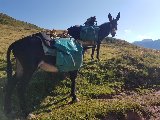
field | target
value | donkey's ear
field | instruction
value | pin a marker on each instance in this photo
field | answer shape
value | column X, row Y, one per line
column 110, row 17
column 118, row 16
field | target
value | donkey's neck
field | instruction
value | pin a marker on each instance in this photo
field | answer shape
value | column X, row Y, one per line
column 104, row 31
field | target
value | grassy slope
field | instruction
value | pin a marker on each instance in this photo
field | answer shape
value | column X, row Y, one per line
column 120, row 83
column 11, row 30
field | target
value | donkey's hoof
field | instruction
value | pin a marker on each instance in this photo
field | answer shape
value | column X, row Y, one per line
column 31, row 116
column 74, row 101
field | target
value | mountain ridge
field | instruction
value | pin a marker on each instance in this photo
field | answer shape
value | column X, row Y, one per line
column 148, row 43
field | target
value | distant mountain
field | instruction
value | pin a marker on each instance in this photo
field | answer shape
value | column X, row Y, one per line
column 148, row 43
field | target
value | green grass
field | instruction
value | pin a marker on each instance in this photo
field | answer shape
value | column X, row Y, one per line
column 97, row 84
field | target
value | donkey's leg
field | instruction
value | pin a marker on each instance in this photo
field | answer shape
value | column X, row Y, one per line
column 21, row 89
column 98, row 48
column 11, row 83
column 9, row 88
column 73, row 76
column 83, row 52
column 92, row 54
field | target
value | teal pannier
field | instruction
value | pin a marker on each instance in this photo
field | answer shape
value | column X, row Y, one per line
column 68, row 54
column 89, row 33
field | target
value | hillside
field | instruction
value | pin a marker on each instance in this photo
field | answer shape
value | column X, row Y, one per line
column 124, row 84
column 7, row 20
column 149, row 43
column 12, row 29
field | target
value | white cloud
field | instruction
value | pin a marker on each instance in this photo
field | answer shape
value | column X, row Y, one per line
column 127, row 31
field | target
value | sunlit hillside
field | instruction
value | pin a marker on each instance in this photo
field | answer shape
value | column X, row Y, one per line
column 123, row 85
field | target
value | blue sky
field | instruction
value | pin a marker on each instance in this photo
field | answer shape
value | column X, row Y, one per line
column 140, row 19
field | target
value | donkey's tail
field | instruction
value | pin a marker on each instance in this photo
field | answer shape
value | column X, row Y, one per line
column 9, row 64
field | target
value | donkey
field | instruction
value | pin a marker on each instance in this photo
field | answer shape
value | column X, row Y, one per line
column 29, row 56
column 105, row 29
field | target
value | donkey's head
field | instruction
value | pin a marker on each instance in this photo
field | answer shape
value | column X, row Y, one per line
column 113, row 24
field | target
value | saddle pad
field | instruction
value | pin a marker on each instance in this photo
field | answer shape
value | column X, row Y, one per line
column 48, row 51
column 89, row 33
column 68, row 54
